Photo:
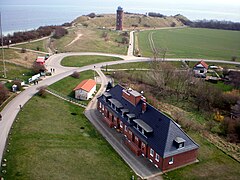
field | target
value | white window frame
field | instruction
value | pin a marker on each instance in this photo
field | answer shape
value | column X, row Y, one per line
column 130, row 132
column 157, row 157
column 151, row 152
column 125, row 128
column 100, row 105
column 171, row 160
column 181, row 145
column 121, row 124
column 136, row 138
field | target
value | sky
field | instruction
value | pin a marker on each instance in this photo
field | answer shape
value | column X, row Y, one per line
column 193, row 9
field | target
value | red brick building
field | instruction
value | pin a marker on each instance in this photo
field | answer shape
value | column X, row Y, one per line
column 148, row 132
column 119, row 22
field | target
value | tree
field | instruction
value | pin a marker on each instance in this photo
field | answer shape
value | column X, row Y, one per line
column 3, row 93
column 37, row 68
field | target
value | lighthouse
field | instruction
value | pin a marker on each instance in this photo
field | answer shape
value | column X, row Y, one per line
column 119, row 18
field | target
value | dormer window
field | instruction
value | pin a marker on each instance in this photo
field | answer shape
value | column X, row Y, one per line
column 142, row 127
column 179, row 142
column 130, row 117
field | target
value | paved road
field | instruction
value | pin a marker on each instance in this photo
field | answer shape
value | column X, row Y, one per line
column 131, row 44
column 10, row 112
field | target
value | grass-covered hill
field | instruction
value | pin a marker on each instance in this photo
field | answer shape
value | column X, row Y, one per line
column 130, row 21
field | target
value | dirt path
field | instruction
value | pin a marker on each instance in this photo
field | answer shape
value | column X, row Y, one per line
column 76, row 39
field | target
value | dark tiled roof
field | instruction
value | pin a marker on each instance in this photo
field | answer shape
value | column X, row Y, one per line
column 164, row 129
column 116, row 103
column 143, row 125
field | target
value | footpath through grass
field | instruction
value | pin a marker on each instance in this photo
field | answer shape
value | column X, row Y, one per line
column 92, row 40
column 37, row 46
column 79, row 61
column 193, row 43
column 53, row 140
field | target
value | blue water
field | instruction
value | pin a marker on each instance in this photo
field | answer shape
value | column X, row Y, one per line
column 29, row 14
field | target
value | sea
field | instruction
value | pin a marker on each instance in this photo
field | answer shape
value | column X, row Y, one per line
column 23, row 15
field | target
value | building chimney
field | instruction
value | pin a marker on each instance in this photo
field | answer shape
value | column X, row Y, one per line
column 144, row 107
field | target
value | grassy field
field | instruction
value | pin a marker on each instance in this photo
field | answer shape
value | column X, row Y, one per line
column 17, row 72
column 37, row 46
column 10, row 54
column 144, row 65
column 65, row 86
column 91, row 41
column 214, row 164
column 52, row 139
column 193, row 43
column 79, row 61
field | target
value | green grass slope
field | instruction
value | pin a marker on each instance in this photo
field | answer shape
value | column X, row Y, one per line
column 48, row 142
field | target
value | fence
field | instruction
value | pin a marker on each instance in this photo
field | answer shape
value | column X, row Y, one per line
column 67, row 98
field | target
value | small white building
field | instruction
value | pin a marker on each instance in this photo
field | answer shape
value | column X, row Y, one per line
column 85, row 89
column 200, row 69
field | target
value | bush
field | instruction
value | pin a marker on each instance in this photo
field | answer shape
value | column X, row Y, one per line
column 59, row 32
column 125, row 40
column 23, row 50
column 18, row 83
column 92, row 15
column 42, row 91
column 75, row 75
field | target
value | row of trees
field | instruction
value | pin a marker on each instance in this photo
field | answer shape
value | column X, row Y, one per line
column 22, row 36
column 214, row 24
column 154, row 14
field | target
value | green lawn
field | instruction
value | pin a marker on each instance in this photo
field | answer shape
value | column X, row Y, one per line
column 49, row 142
column 214, row 164
column 193, row 43
column 37, row 46
column 17, row 72
column 65, row 86
column 79, row 61
column 136, row 65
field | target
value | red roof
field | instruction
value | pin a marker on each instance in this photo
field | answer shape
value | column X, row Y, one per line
column 86, row 85
column 40, row 60
column 202, row 63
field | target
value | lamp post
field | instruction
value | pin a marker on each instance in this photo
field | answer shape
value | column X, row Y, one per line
column 4, row 65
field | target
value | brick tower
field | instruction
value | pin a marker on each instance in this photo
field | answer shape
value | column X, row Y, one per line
column 119, row 18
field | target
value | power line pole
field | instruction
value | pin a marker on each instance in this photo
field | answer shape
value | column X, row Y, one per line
column 4, row 65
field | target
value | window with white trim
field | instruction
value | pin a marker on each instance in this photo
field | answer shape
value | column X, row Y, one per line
column 125, row 128
column 136, row 138
column 121, row 124
column 151, row 152
column 100, row 105
column 170, row 160
column 130, row 132
column 157, row 157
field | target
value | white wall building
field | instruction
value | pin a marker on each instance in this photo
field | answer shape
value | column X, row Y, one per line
column 85, row 89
